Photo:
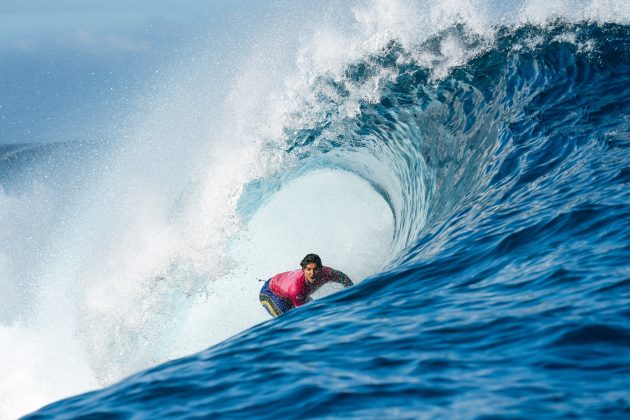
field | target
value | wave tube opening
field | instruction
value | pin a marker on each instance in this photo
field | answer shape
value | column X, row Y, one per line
column 330, row 212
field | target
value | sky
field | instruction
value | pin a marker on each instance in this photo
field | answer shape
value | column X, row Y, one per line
column 68, row 66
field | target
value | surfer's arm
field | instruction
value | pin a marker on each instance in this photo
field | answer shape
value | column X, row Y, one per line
column 341, row 278
column 297, row 296
column 297, row 301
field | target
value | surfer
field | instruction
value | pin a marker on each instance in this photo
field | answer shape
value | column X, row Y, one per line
column 287, row 290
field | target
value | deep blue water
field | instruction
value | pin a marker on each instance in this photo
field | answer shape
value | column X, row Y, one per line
column 507, row 291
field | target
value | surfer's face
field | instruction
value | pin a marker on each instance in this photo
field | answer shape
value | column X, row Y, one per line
column 311, row 271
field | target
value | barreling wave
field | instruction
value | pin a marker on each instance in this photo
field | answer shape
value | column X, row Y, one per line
column 428, row 146
column 505, row 288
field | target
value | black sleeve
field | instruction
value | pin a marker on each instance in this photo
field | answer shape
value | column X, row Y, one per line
column 342, row 279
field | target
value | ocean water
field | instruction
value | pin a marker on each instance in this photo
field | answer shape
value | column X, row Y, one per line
column 466, row 164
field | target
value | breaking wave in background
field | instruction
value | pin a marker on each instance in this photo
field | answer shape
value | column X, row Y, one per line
column 467, row 166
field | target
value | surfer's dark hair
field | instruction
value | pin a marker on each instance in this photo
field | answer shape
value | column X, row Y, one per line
column 311, row 258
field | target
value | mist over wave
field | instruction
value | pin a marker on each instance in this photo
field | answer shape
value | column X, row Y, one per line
column 467, row 161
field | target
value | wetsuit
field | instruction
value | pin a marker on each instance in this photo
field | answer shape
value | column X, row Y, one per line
column 287, row 290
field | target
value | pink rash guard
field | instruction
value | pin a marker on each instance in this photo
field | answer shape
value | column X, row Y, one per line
column 292, row 284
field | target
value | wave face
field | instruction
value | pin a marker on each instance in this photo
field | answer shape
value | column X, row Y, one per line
column 502, row 281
